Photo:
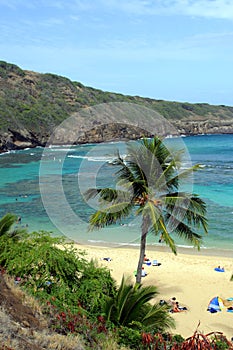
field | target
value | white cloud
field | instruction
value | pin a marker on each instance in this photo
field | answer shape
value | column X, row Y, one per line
column 218, row 9
column 222, row 9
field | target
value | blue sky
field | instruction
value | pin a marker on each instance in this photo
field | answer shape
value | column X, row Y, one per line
column 176, row 50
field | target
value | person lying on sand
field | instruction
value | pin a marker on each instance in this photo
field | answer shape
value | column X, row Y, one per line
column 107, row 259
column 176, row 307
column 172, row 301
column 145, row 258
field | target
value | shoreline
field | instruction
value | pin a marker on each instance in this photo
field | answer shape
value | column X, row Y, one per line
column 190, row 277
column 214, row 252
column 46, row 144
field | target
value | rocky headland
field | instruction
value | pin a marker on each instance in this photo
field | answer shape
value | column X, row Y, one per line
column 34, row 105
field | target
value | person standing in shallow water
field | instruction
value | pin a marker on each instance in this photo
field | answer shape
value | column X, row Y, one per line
column 19, row 220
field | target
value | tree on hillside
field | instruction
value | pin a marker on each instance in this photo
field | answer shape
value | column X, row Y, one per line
column 148, row 185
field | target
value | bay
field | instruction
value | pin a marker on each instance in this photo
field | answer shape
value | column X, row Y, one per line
column 45, row 187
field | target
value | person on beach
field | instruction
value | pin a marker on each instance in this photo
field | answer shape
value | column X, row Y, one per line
column 145, row 258
column 172, row 301
column 107, row 259
column 177, row 308
column 161, row 239
column 144, row 273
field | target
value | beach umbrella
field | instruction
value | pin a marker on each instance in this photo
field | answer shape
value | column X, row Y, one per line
column 215, row 304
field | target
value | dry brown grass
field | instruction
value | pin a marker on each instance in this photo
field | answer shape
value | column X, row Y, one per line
column 23, row 296
column 17, row 337
column 29, row 329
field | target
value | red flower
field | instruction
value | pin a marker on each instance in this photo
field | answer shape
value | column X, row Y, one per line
column 147, row 338
column 101, row 319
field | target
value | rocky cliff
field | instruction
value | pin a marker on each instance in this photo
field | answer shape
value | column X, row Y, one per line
column 33, row 105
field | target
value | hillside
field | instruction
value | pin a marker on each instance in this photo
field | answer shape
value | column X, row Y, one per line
column 33, row 104
column 22, row 325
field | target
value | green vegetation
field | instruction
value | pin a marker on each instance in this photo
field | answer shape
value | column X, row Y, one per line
column 49, row 267
column 129, row 308
column 9, row 68
column 149, row 182
column 79, row 297
column 39, row 102
column 84, row 308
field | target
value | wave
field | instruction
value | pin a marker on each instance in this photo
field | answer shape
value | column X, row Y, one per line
column 107, row 158
column 56, row 149
column 92, row 159
column 137, row 245
column 57, row 146
column 117, row 244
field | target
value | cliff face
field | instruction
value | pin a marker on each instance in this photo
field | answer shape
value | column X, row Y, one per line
column 204, row 127
column 32, row 105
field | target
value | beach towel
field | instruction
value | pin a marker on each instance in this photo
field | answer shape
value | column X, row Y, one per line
column 219, row 269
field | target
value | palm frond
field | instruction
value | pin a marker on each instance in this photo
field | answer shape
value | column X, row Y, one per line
column 168, row 179
column 6, row 223
column 185, row 232
column 132, row 304
column 111, row 215
column 166, row 235
column 187, row 208
column 140, row 296
column 137, row 296
column 158, row 318
column 123, row 296
column 157, row 224
column 157, row 148
column 131, row 174
column 153, row 213
column 183, row 175
column 108, row 194
column 91, row 193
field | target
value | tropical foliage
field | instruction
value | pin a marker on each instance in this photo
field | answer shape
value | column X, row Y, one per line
column 130, row 307
column 79, row 296
column 6, row 231
column 52, row 269
column 82, row 299
column 148, row 185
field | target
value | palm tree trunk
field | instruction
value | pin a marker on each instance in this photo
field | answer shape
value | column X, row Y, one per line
column 145, row 225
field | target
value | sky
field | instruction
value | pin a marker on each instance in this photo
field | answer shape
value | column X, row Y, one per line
column 174, row 50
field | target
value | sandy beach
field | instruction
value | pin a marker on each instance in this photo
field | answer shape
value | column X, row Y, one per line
column 190, row 278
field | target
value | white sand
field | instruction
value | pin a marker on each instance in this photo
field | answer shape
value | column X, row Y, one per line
column 190, row 278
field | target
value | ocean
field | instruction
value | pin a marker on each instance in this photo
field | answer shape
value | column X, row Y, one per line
column 45, row 186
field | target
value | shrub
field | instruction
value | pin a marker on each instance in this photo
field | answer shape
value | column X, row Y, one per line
column 55, row 271
column 95, row 286
column 129, row 337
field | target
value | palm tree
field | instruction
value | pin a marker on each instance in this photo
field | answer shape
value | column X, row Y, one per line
column 131, row 306
column 148, row 185
column 6, row 223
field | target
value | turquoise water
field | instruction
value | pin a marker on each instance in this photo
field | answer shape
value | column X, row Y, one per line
column 45, row 186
